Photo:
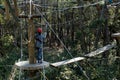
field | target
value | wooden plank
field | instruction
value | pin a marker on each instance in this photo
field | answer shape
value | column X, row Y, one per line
column 67, row 61
column 116, row 35
column 98, row 51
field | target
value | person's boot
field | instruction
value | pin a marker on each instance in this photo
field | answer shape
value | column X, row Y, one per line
column 40, row 61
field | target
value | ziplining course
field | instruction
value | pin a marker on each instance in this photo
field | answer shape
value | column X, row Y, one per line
column 32, row 63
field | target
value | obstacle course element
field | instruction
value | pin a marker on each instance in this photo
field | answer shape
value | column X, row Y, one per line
column 116, row 35
column 92, row 54
column 25, row 65
column 30, row 65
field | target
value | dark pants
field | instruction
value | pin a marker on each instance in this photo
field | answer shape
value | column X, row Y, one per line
column 39, row 55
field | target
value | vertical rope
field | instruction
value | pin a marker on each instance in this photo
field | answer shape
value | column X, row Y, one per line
column 30, row 13
column 30, row 8
column 43, row 59
column 43, row 73
column 21, row 50
column 43, row 65
column 42, row 55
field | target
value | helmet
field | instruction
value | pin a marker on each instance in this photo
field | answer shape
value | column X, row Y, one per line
column 39, row 30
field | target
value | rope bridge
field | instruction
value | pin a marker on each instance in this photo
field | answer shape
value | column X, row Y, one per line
column 92, row 54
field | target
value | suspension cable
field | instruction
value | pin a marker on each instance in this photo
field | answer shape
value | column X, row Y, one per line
column 62, row 43
column 76, row 7
column 21, row 50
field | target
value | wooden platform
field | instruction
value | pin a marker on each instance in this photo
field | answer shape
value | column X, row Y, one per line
column 116, row 35
column 24, row 65
column 56, row 64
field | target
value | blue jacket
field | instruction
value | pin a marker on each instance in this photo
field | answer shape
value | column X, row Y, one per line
column 39, row 40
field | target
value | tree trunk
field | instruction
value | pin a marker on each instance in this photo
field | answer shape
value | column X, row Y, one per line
column 16, row 7
column 106, row 35
column 7, row 10
column 72, row 28
column 31, row 41
column 81, row 27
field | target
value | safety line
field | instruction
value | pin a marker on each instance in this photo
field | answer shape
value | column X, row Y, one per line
column 30, row 13
column 62, row 43
column 76, row 7
column 45, row 5
column 92, row 4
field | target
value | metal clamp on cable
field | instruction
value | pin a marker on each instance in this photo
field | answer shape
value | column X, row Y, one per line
column 29, row 16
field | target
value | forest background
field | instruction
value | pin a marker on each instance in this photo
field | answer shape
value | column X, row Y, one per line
column 82, row 30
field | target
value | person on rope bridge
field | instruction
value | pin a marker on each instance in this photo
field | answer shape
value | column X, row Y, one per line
column 39, row 44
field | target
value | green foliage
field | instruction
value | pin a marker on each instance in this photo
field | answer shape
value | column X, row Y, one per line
column 86, row 24
column 7, row 62
column 9, row 56
column 1, row 19
column 7, row 40
column 96, row 23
